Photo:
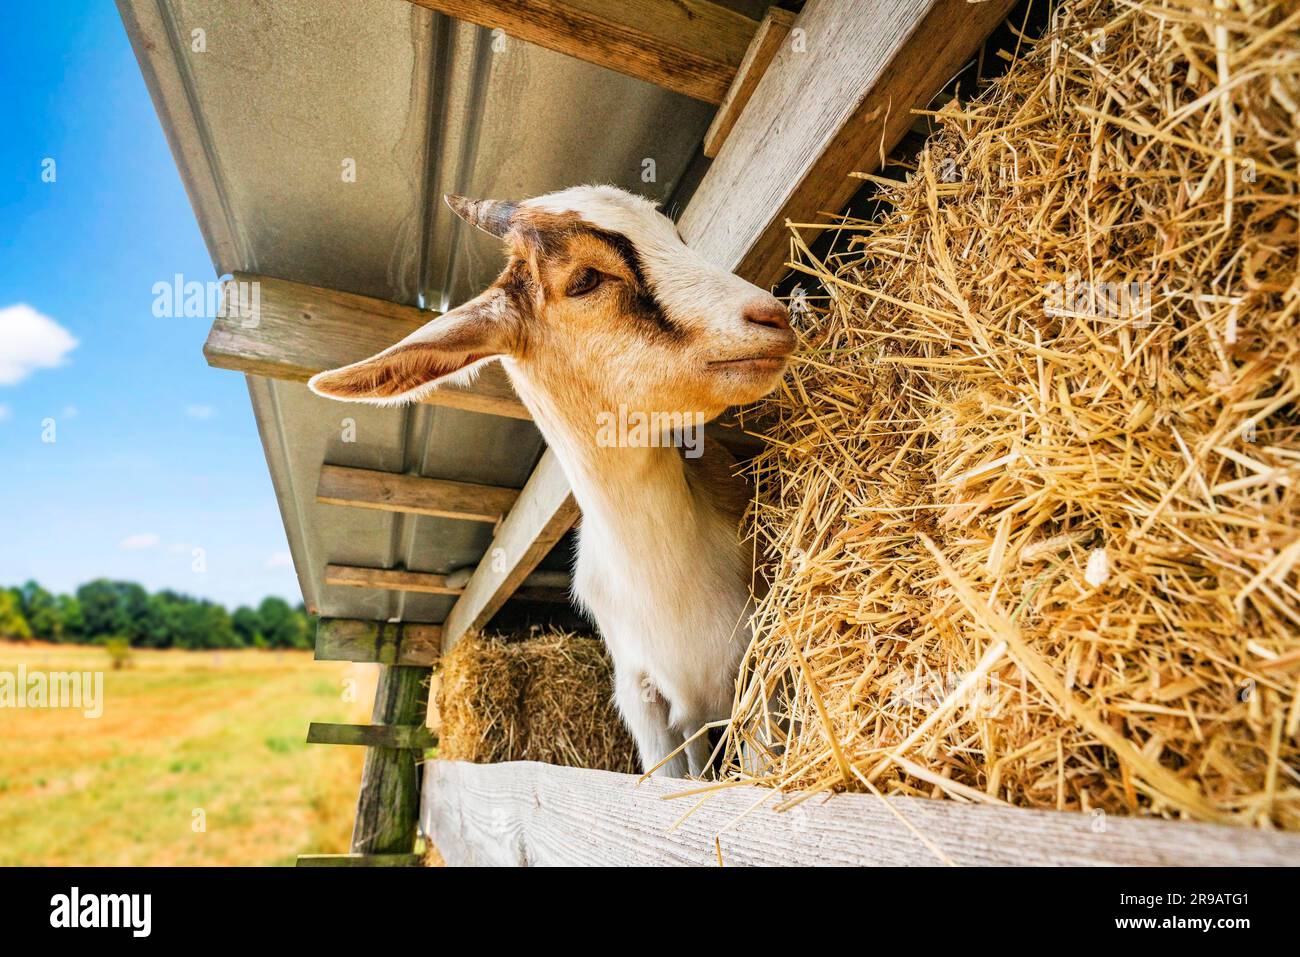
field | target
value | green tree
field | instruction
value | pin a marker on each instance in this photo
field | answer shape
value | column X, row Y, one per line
column 281, row 625
column 12, row 622
column 41, row 611
column 248, row 626
column 73, row 622
column 220, row 632
column 99, row 608
column 103, row 609
column 311, row 622
column 117, row 608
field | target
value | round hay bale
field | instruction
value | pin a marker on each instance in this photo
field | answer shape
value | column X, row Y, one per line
column 545, row 697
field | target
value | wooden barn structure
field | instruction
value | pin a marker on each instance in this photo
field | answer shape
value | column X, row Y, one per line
column 315, row 141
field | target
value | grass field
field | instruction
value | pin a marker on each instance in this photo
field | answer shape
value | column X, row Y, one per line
column 185, row 736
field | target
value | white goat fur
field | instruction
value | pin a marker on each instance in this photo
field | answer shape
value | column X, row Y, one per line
column 660, row 567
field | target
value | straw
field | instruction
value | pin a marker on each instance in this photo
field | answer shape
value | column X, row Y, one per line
column 1029, row 509
column 545, row 697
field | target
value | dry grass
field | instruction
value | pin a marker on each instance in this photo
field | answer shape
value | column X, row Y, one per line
column 547, row 697
column 1034, row 544
column 223, row 733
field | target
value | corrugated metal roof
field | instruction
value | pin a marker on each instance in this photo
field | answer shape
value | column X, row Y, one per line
column 265, row 107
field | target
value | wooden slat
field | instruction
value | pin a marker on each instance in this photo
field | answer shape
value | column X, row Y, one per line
column 688, row 46
column 544, row 512
column 416, row 494
column 413, row 736
column 389, row 579
column 360, row 860
column 833, row 103
column 772, row 31
column 386, row 642
column 300, row 330
column 527, row 813
column 388, row 807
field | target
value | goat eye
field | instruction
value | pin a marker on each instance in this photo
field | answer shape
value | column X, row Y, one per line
column 583, row 282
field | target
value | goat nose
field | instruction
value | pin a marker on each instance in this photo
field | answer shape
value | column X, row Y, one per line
column 771, row 314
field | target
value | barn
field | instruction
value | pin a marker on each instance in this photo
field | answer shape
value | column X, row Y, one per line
column 316, row 142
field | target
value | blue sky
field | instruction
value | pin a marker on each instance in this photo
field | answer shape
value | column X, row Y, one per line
column 154, row 454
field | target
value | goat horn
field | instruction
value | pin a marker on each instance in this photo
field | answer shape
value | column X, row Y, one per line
column 490, row 215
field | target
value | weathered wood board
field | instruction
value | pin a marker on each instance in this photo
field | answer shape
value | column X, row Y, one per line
column 413, row 494
column 835, row 100
column 691, row 47
column 385, row 642
column 544, row 512
column 522, row 813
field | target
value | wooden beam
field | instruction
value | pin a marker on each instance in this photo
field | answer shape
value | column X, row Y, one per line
column 386, row 642
column 832, row 103
column 291, row 330
column 388, row 579
column 691, row 47
column 415, row 494
column 772, row 31
column 388, row 806
column 544, row 512
column 360, row 860
column 415, row 737
column 527, row 813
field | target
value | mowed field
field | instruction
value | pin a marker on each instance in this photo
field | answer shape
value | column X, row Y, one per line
column 185, row 737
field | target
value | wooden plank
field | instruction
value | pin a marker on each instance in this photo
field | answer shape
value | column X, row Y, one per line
column 414, row 736
column 829, row 104
column 360, row 860
column 388, row 806
column 386, row 642
column 298, row 330
column 528, row 813
column 388, row 579
column 691, row 47
column 772, row 31
column 416, row 494
column 544, row 512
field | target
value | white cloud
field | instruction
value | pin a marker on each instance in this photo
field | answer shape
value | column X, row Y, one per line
column 71, row 412
column 30, row 341
column 279, row 560
column 140, row 541
column 6, row 413
column 200, row 411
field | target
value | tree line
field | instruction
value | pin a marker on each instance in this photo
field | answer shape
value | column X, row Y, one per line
column 102, row 610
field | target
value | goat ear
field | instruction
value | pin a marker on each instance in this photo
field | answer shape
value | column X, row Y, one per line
column 493, row 216
column 449, row 347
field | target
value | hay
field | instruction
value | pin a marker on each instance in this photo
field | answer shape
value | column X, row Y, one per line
column 547, row 697
column 1033, row 539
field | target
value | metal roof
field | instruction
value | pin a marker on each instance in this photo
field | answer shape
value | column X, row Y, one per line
column 265, row 106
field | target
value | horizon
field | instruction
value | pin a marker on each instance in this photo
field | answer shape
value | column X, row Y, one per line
column 127, row 457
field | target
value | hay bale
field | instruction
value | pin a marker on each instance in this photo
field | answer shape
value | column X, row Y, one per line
column 1033, row 538
column 546, row 697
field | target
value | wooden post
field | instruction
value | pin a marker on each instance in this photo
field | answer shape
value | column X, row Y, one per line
column 388, row 807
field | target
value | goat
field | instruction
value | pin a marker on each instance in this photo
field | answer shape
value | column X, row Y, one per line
column 603, row 307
